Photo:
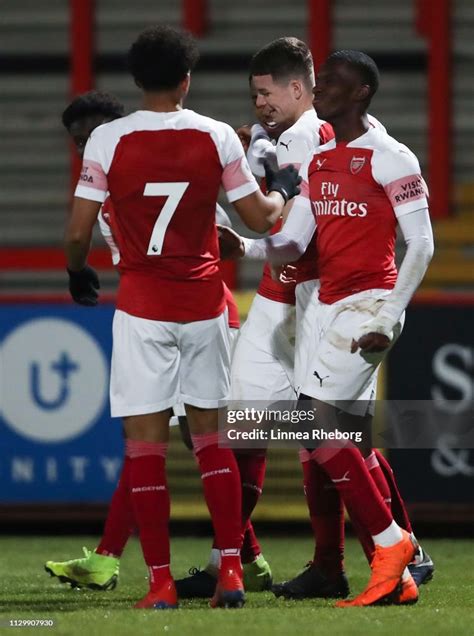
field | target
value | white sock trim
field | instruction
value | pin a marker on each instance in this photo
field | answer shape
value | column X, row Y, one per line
column 388, row 537
column 151, row 569
column 230, row 552
column 371, row 461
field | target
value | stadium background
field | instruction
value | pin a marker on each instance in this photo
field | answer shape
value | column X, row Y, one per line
column 60, row 451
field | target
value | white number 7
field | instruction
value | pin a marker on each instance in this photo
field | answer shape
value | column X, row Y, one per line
column 174, row 192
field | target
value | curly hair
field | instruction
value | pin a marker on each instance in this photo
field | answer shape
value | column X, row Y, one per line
column 161, row 57
column 92, row 103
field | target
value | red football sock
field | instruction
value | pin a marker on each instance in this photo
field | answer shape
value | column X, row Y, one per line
column 250, row 546
column 230, row 559
column 378, row 476
column 120, row 520
column 364, row 536
column 362, row 533
column 399, row 511
column 151, row 504
column 157, row 575
column 252, row 474
column 347, row 470
column 327, row 516
column 221, row 483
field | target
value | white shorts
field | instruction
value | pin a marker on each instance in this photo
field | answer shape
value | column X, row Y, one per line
column 262, row 364
column 178, row 408
column 156, row 364
column 306, row 332
column 334, row 374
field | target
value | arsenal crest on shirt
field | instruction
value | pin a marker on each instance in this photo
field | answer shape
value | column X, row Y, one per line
column 357, row 163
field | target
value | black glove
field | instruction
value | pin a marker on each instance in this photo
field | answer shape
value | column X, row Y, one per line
column 284, row 181
column 83, row 285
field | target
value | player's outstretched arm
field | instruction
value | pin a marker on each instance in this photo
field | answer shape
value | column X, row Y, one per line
column 418, row 236
column 83, row 280
column 260, row 212
column 291, row 242
column 285, row 246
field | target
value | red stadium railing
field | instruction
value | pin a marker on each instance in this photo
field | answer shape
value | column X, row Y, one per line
column 50, row 259
column 320, row 29
column 434, row 23
column 82, row 37
column 196, row 16
column 44, row 259
column 82, row 45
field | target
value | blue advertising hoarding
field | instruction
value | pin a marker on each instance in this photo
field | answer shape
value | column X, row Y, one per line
column 58, row 442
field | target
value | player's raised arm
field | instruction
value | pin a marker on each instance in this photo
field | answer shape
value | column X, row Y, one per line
column 291, row 242
column 259, row 150
column 257, row 211
column 260, row 212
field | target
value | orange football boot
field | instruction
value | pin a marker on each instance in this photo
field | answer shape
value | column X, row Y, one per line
column 387, row 568
column 163, row 598
column 229, row 589
column 408, row 594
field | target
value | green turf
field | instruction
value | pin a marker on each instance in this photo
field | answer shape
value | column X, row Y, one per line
column 26, row 591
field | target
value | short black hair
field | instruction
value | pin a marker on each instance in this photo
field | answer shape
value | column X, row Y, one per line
column 161, row 57
column 363, row 64
column 284, row 59
column 92, row 103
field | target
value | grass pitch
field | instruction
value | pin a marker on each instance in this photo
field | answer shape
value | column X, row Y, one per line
column 26, row 591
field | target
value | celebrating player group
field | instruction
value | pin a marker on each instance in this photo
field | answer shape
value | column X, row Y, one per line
column 330, row 306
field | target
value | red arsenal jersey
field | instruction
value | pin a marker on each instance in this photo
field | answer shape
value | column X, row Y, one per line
column 163, row 172
column 104, row 223
column 232, row 309
column 293, row 147
column 356, row 191
column 274, row 289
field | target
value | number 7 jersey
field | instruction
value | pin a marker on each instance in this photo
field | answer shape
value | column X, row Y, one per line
column 163, row 172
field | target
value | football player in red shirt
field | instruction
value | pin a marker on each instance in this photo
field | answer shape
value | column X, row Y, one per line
column 162, row 167
column 355, row 190
column 100, row 569
column 281, row 82
column 280, row 74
